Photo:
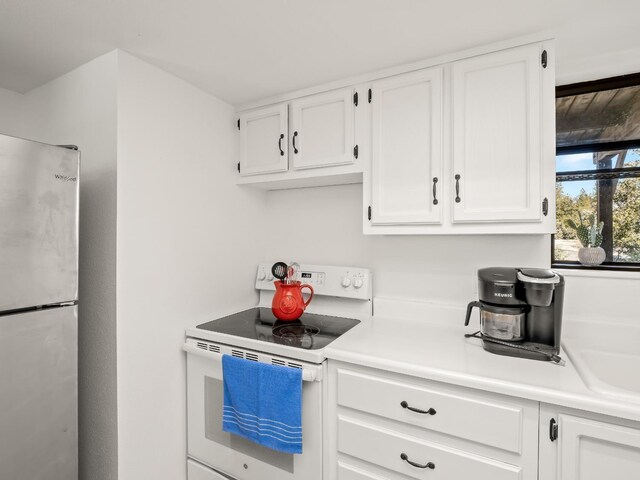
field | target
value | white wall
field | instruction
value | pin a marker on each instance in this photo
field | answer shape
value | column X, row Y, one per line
column 188, row 245
column 327, row 229
column 439, row 269
column 10, row 113
column 79, row 108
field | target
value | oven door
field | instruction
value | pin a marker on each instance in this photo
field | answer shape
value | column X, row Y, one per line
column 231, row 454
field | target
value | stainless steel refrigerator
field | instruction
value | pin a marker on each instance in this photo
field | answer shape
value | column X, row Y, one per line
column 38, row 310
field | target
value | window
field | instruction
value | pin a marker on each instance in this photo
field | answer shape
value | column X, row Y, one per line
column 598, row 169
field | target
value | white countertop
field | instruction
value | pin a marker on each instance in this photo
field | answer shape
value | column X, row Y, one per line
column 438, row 351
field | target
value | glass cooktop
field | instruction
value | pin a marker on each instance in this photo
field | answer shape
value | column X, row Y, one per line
column 311, row 331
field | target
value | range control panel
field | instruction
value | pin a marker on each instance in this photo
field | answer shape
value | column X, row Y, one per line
column 343, row 282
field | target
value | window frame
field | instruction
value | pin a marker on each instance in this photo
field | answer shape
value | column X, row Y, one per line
column 594, row 86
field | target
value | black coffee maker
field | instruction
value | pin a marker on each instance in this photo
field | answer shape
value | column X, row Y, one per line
column 520, row 312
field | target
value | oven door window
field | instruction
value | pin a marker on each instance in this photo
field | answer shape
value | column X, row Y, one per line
column 213, row 398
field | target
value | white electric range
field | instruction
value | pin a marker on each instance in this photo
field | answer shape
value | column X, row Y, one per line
column 342, row 299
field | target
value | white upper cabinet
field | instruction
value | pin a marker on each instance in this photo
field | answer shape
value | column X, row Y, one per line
column 406, row 153
column 496, row 137
column 464, row 146
column 263, row 140
column 322, row 129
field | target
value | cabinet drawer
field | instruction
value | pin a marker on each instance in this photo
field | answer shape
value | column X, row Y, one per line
column 347, row 472
column 384, row 448
column 461, row 413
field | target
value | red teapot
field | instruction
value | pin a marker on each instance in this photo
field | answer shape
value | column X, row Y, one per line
column 288, row 303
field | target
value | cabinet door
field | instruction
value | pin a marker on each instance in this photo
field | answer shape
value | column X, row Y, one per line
column 591, row 450
column 322, row 129
column 406, row 169
column 497, row 136
column 263, row 140
column 588, row 449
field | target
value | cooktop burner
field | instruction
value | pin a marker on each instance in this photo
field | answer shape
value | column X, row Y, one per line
column 311, row 331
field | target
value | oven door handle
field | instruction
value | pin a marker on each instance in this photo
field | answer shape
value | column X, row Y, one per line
column 307, row 374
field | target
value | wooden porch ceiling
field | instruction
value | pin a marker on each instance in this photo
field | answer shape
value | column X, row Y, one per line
column 598, row 117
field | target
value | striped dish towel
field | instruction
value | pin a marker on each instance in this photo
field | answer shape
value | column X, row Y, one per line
column 263, row 403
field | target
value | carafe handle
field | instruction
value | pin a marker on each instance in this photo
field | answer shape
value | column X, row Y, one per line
column 469, row 308
column 306, row 285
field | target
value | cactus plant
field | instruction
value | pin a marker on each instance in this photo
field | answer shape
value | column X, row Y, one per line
column 589, row 233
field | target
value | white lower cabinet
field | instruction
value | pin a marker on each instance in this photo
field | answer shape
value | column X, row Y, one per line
column 383, row 425
column 197, row 471
column 582, row 446
column 415, row 457
column 349, row 472
column 390, row 426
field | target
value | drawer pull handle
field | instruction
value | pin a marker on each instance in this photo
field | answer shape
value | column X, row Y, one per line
column 430, row 465
column 431, row 411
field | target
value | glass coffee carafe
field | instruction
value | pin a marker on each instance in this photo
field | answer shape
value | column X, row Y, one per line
column 501, row 323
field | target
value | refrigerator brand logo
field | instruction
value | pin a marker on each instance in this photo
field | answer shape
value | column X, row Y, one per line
column 66, row 178
column 503, row 294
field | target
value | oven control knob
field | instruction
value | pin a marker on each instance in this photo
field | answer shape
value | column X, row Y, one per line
column 346, row 281
column 261, row 275
column 357, row 282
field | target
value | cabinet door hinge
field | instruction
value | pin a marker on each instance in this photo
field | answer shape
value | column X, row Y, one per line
column 553, row 430
column 543, row 59
column 355, row 151
column 545, row 207
column 355, row 99
column 238, row 167
column 370, row 95
column 238, row 124
column 369, row 213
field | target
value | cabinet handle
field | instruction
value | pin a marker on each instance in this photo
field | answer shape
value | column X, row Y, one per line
column 280, row 144
column 545, row 207
column 553, row 430
column 430, row 465
column 457, row 177
column 404, row 404
column 295, row 149
column 435, row 199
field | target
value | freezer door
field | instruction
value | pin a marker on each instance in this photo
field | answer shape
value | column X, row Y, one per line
column 38, row 400
column 38, row 224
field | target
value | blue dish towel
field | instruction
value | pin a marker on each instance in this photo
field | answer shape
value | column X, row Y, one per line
column 263, row 403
